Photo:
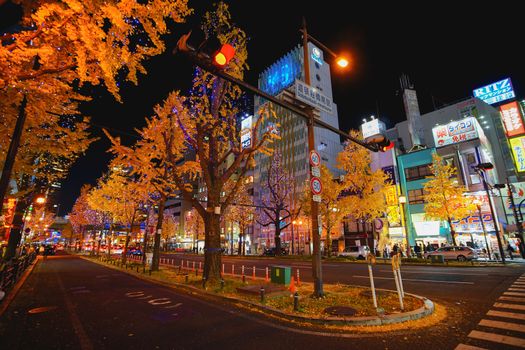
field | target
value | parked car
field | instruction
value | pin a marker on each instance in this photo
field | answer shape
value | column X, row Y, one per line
column 458, row 253
column 358, row 252
column 271, row 252
column 49, row 250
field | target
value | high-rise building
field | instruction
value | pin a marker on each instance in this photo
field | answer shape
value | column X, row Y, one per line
column 285, row 79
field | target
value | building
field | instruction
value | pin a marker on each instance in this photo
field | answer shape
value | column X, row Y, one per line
column 285, row 79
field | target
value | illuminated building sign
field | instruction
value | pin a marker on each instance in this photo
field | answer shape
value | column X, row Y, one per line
column 454, row 132
column 283, row 73
column 499, row 91
column 312, row 96
column 510, row 113
column 317, row 55
column 372, row 128
column 473, row 224
column 246, row 132
column 517, row 144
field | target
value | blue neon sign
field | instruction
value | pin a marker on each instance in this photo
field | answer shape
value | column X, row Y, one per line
column 496, row 92
column 282, row 73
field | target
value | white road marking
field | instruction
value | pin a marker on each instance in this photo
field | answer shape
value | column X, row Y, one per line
column 512, row 299
column 498, row 338
column 160, row 301
column 510, row 306
column 503, row 325
column 514, row 294
column 437, row 273
column 146, row 297
column 468, row 347
column 134, row 294
column 517, row 289
column 173, row 306
column 516, row 316
column 417, row 280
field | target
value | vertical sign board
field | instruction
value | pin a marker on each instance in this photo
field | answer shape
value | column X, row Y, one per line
column 510, row 113
column 496, row 92
column 313, row 97
column 517, row 144
column 246, row 132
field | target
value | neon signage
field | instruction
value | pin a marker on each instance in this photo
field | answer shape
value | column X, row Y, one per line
column 454, row 132
column 496, row 92
column 510, row 113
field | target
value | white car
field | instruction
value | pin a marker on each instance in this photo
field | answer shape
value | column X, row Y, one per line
column 358, row 252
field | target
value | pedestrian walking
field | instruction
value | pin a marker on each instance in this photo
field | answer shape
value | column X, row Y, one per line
column 395, row 249
column 510, row 249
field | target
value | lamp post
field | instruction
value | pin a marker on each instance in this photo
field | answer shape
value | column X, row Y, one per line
column 481, row 168
column 477, row 202
column 402, row 200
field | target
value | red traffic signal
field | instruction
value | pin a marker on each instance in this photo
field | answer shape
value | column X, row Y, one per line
column 222, row 57
column 381, row 142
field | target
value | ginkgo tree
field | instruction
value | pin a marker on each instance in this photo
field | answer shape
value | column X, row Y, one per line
column 241, row 212
column 444, row 196
column 334, row 205
column 365, row 188
column 63, row 45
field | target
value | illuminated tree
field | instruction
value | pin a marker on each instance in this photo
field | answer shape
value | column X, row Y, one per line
column 241, row 212
column 444, row 196
column 208, row 119
column 40, row 221
column 276, row 199
column 366, row 188
column 194, row 225
column 62, row 46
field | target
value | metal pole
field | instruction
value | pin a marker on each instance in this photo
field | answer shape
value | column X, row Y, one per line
column 484, row 230
column 494, row 218
column 517, row 219
column 292, row 239
column 317, row 273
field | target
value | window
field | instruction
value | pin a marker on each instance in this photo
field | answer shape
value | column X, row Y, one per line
column 418, row 172
column 416, row 196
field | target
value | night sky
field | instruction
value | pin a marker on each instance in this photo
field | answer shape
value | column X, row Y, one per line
column 447, row 51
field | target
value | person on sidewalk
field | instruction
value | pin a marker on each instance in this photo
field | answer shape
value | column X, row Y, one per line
column 510, row 249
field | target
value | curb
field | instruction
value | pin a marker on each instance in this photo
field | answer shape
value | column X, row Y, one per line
column 426, row 310
column 11, row 295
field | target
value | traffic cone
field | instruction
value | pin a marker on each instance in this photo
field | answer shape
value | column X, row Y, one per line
column 292, row 286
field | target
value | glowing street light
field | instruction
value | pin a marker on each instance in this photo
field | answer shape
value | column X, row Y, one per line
column 342, row 62
column 40, row 200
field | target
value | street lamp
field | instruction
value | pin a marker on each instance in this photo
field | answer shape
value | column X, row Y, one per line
column 481, row 169
column 402, row 200
column 478, row 203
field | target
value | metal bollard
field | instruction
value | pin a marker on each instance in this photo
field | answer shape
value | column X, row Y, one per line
column 222, row 284
column 296, row 302
column 186, row 277
column 261, row 291
column 196, row 272
column 204, row 283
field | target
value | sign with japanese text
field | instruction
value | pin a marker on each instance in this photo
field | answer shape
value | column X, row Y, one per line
column 9, row 211
column 372, row 128
column 455, row 132
column 312, row 97
column 517, row 144
column 496, row 92
column 510, row 113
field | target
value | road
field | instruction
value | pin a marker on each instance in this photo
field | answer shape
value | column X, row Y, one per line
column 71, row 303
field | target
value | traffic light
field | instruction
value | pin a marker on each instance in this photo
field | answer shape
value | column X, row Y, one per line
column 380, row 142
column 205, row 51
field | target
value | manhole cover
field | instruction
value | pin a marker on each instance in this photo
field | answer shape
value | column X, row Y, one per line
column 41, row 309
column 340, row 311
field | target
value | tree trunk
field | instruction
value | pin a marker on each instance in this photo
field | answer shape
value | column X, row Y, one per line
column 109, row 239
column 125, row 251
column 239, row 248
column 16, row 229
column 212, row 248
column 328, row 241
column 158, row 231
column 145, row 244
column 452, row 232
column 278, row 239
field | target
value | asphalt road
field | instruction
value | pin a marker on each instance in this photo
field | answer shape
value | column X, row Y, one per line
column 71, row 303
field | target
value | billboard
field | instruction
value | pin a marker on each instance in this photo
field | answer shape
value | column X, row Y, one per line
column 372, row 128
column 455, row 132
column 496, row 92
column 246, row 132
column 510, row 113
column 312, row 96
column 517, row 144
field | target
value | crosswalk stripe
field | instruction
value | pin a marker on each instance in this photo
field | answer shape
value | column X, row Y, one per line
column 510, row 306
column 468, row 347
column 505, row 314
column 498, row 338
column 512, row 299
column 503, row 325
column 517, row 289
column 514, row 294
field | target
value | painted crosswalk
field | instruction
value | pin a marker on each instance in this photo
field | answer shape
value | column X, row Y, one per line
column 504, row 324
